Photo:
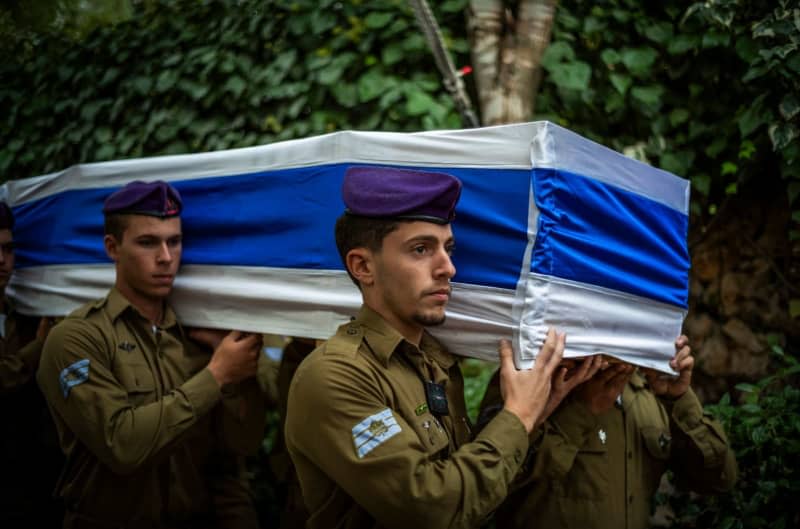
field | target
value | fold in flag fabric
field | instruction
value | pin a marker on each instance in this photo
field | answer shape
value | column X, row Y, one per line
column 552, row 230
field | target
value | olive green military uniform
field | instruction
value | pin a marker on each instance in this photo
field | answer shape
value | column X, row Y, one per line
column 150, row 439
column 588, row 471
column 19, row 350
column 294, row 513
column 29, row 453
column 369, row 452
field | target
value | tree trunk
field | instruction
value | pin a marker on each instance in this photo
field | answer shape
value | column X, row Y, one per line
column 507, row 50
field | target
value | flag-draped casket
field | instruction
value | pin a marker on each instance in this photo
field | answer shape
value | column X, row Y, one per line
column 551, row 230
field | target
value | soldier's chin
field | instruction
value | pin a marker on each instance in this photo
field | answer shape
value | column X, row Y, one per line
column 161, row 291
column 430, row 320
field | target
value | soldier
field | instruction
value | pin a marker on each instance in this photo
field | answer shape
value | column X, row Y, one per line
column 376, row 422
column 154, row 427
column 293, row 514
column 598, row 460
column 28, row 447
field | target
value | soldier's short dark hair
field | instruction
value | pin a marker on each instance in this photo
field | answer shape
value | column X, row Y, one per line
column 115, row 225
column 353, row 231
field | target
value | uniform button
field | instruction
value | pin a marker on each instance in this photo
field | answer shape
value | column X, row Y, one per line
column 352, row 331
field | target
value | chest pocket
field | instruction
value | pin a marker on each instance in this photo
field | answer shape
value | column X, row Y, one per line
column 589, row 476
column 657, row 445
column 432, row 434
column 138, row 381
column 657, row 441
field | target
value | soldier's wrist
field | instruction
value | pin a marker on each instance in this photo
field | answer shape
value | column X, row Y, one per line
column 218, row 374
column 525, row 418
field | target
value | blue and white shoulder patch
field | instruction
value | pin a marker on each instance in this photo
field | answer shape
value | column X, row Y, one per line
column 74, row 375
column 374, row 431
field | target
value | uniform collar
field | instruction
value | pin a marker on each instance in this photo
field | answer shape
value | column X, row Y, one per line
column 116, row 304
column 384, row 340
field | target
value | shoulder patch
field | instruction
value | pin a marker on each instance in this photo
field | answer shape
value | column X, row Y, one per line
column 374, row 431
column 73, row 375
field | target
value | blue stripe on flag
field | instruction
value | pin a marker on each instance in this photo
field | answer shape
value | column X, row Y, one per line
column 283, row 219
column 599, row 234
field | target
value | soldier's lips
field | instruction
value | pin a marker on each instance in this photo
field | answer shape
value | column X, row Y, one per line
column 442, row 294
column 164, row 279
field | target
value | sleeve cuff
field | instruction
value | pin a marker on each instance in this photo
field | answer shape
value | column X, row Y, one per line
column 686, row 410
column 507, row 433
column 202, row 391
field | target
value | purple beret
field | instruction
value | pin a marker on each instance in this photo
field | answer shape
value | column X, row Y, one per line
column 386, row 192
column 6, row 217
column 155, row 199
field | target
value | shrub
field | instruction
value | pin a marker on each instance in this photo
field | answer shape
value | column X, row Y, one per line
column 764, row 430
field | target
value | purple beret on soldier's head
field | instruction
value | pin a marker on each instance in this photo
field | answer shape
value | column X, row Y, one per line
column 387, row 192
column 154, row 199
column 6, row 217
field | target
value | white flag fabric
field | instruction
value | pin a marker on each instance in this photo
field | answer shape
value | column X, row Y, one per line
column 551, row 230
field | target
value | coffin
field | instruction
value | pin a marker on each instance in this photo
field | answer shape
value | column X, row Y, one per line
column 552, row 230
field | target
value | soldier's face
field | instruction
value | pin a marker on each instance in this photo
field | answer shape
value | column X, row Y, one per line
column 412, row 275
column 6, row 257
column 148, row 256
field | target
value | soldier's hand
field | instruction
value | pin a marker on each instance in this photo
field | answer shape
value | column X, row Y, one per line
column 566, row 379
column 669, row 386
column 601, row 391
column 209, row 337
column 525, row 393
column 235, row 358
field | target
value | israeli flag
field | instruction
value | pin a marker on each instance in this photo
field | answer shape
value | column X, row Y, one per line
column 551, row 230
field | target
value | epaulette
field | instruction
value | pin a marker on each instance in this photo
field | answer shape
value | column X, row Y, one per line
column 85, row 310
column 346, row 341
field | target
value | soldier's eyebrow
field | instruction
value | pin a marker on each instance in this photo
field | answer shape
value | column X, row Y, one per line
column 433, row 239
column 157, row 237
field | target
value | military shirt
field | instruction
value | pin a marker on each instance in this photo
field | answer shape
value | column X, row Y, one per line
column 602, row 471
column 19, row 350
column 367, row 448
column 29, row 453
column 294, row 513
column 150, row 439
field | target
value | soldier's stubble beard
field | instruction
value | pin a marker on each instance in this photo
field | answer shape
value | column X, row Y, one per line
column 429, row 320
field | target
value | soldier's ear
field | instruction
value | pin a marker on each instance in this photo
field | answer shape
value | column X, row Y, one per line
column 361, row 264
column 112, row 247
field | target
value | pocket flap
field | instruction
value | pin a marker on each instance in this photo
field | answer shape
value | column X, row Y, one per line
column 658, row 441
column 136, row 378
column 432, row 433
column 595, row 442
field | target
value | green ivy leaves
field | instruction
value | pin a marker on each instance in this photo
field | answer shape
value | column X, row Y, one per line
column 192, row 76
column 709, row 92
